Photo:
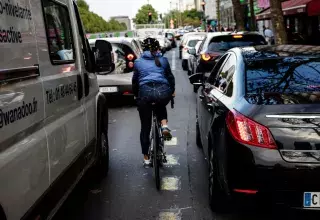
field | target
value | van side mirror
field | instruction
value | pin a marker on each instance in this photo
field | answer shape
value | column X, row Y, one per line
column 104, row 57
column 196, row 79
column 192, row 51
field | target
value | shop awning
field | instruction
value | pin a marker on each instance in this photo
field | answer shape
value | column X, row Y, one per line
column 312, row 7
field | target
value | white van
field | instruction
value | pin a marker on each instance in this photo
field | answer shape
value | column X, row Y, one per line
column 53, row 120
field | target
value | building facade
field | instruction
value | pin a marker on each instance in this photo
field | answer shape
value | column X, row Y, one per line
column 211, row 9
column 227, row 14
column 197, row 5
column 123, row 19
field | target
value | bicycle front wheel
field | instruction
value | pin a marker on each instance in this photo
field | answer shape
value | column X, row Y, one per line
column 156, row 162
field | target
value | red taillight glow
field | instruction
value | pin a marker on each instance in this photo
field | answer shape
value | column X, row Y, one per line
column 205, row 57
column 130, row 64
column 246, row 191
column 247, row 131
column 130, row 57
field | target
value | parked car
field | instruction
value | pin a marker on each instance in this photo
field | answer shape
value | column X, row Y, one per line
column 171, row 38
column 191, row 42
column 257, row 121
column 58, row 124
column 217, row 43
column 118, row 82
column 192, row 60
column 185, row 39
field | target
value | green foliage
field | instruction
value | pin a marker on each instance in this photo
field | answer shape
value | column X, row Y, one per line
column 188, row 17
column 142, row 15
column 94, row 23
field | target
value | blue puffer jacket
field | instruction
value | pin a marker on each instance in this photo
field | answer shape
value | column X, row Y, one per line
column 146, row 71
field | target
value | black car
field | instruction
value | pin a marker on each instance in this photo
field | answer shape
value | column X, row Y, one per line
column 258, row 120
column 217, row 43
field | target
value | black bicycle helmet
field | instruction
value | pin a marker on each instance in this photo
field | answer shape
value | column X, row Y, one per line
column 150, row 44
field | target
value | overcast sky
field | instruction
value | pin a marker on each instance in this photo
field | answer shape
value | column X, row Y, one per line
column 108, row 8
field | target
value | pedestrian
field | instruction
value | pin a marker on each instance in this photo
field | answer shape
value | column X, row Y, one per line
column 268, row 33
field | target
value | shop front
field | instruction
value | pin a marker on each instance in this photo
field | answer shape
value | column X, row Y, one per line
column 302, row 20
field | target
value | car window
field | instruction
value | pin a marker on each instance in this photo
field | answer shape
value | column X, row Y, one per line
column 59, row 33
column 287, row 80
column 193, row 43
column 224, row 79
column 226, row 42
column 216, row 68
column 203, row 42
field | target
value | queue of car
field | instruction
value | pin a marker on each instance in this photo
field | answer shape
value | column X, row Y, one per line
column 257, row 118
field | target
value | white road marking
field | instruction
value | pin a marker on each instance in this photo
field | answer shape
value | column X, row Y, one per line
column 171, row 183
column 173, row 63
column 172, row 142
column 172, row 160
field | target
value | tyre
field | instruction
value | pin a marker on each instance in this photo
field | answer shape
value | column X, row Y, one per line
column 195, row 89
column 219, row 200
column 102, row 165
column 156, row 162
column 198, row 137
column 185, row 65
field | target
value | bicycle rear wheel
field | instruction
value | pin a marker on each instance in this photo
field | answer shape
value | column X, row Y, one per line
column 156, row 162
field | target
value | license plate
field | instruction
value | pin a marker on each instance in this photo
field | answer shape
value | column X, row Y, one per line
column 311, row 200
column 108, row 89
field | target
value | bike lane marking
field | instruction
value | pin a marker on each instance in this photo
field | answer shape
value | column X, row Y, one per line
column 170, row 183
column 173, row 62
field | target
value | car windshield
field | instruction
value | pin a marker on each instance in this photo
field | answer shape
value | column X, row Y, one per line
column 281, row 77
column 227, row 42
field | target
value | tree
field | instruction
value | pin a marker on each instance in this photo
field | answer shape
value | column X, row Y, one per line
column 278, row 22
column 142, row 15
column 94, row 23
column 238, row 15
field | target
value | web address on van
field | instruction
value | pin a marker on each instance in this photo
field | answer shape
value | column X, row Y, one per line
column 16, row 114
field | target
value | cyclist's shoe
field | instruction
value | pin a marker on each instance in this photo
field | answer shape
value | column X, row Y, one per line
column 147, row 163
column 166, row 132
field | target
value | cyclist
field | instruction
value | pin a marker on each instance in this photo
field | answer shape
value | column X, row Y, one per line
column 153, row 85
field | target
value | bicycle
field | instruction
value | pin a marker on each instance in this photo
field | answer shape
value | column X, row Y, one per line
column 156, row 151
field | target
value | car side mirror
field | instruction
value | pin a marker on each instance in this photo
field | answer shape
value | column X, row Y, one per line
column 192, row 51
column 196, row 79
column 104, row 58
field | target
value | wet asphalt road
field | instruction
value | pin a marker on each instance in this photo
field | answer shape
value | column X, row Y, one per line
column 129, row 193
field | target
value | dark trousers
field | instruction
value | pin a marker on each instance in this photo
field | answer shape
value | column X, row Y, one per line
column 160, row 94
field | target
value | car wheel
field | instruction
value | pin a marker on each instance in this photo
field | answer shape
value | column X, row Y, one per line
column 219, row 200
column 184, row 65
column 103, row 150
column 198, row 137
column 195, row 89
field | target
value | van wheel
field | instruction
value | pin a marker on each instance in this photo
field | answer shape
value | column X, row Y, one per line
column 103, row 150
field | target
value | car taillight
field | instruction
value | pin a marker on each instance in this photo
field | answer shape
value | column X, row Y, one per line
column 205, row 57
column 130, row 64
column 130, row 57
column 247, row 131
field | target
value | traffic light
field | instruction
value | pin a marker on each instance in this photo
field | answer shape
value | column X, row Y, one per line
column 150, row 17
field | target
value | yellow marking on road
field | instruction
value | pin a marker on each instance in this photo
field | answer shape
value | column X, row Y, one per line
column 170, row 183
column 169, row 216
column 172, row 160
column 172, row 142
